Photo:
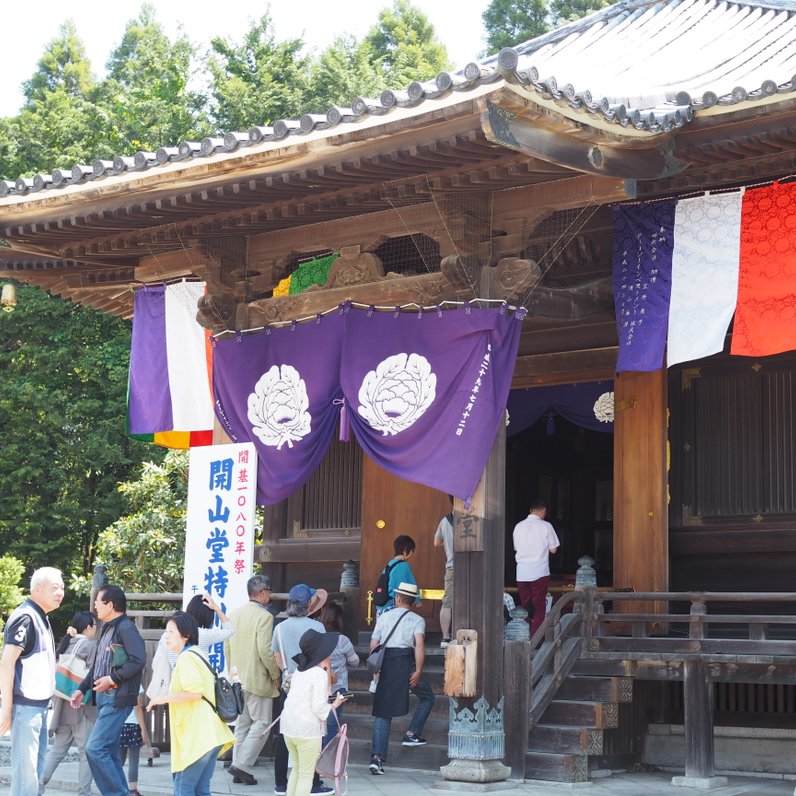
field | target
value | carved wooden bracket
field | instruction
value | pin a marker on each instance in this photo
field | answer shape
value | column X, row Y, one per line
column 512, row 278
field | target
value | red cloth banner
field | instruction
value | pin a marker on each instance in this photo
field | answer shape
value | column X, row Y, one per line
column 765, row 318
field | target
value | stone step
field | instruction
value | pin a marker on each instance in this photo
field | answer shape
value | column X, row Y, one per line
column 556, row 767
column 563, row 739
column 603, row 715
column 592, row 688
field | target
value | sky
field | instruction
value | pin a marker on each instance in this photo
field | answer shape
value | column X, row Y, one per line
column 29, row 26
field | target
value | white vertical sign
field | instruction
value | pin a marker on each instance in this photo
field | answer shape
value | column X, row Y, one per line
column 219, row 534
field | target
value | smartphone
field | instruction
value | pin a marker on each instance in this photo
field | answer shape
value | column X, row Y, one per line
column 344, row 694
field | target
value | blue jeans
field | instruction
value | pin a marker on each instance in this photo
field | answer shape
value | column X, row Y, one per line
column 102, row 749
column 380, row 738
column 194, row 780
column 331, row 724
column 28, row 748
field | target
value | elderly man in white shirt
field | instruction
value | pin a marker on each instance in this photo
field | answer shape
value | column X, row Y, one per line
column 534, row 541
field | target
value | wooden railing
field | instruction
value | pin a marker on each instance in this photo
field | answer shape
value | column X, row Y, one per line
column 694, row 646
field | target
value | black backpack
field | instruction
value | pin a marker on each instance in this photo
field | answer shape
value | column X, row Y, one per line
column 381, row 596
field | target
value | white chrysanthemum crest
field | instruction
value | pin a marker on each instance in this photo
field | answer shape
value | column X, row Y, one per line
column 277, row 409
column 397, row 394
column 604, row 408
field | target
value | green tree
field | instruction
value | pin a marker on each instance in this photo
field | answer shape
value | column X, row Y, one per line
column 405, row 46
column 144, row 549
column 345, row 70
column 11, row 570
column 145, row 97
column 63, row 383
column 258, row 80
column 563, row 11
column 58, row 125
column 510, row 22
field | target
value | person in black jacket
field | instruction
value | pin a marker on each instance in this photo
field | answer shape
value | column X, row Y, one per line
column 116, row 679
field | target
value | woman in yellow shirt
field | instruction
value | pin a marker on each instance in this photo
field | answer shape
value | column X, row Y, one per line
column 198, row 735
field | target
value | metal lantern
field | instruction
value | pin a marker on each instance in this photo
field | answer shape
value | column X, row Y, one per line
column 8, row 300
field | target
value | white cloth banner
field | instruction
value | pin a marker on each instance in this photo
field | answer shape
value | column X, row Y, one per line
column 189, row 379
column 707, row 242
column 219, row 534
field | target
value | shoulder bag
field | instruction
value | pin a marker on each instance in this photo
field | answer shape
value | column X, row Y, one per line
column 229, row 696
column 286, row 675
column 376, row 658
column 160, row 682
column 333, row 762
column 70, row 672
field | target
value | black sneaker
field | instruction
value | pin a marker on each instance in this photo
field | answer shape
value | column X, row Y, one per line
column 376, row 766
column 410, row 739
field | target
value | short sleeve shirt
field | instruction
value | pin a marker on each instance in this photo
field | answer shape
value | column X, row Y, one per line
column 404, row 636
column 533, row 539
column 444, row 534
column 290, row 631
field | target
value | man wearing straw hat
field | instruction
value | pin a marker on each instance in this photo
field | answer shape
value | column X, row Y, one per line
column 403, row 634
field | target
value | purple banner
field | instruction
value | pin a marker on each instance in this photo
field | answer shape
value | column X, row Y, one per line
column 277, row 389
column 643, row 246
column 149, row 397
column 426, row 392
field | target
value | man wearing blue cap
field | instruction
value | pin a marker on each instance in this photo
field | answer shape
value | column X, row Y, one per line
column 302, row 601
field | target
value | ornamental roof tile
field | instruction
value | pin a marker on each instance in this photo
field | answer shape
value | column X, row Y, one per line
column 645, row 65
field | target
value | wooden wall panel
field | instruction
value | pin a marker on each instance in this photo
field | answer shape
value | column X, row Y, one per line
column 406, row 508
column 641, row 551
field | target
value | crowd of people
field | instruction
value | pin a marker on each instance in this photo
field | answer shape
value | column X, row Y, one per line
column 296, row 668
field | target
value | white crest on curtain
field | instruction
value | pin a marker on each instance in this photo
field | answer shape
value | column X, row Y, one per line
column 604, row 408
column 278, row 407
column 395, row 395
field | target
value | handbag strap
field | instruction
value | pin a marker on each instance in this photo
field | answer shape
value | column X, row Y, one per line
column 215, row 678
column 394, row 627
column 281, row 648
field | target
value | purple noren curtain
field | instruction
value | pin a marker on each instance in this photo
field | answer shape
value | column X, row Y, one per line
column 582, row 404
column 424, row 393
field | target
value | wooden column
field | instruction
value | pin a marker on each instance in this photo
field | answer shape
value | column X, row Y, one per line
column 698, row 702
column 478, row 543
column 641, row 530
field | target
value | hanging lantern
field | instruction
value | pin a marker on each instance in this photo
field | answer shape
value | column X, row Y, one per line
column 8, row 300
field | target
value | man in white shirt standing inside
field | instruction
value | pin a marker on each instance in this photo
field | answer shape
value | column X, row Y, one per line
column 534, row 540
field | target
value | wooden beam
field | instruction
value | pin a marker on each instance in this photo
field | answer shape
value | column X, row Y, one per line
column 502, row 124
column 595, row 364
column 185, row 262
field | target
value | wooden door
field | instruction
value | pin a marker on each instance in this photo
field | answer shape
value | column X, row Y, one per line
column 392, row 506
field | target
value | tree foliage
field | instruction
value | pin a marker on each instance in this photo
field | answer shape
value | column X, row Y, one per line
column 63, row 381
column 145, row 97
column 510, row 22
column 563, row 11
column 11, row 570
column 258, row 80
column 405, row 46
column 144, row 549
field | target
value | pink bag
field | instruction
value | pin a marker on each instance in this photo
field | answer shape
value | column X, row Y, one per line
column 333, row 762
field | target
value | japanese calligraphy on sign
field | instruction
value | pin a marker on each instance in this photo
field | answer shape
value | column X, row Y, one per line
column 219, row 537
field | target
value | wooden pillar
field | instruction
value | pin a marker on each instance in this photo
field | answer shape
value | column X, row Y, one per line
column 698, row 702
column 517, row 682
column 476, row 739
column 641, row 528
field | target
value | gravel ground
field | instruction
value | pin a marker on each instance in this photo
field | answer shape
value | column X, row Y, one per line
column 5, row 756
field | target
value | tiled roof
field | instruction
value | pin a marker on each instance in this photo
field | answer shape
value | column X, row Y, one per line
column 640, row 64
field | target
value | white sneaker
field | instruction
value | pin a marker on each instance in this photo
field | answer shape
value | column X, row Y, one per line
column 444, row 643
